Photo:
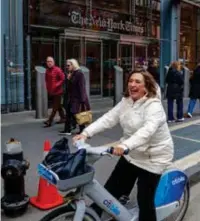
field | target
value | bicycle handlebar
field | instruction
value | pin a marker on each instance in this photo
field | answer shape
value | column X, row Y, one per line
column 99, row 150
column 111, row 149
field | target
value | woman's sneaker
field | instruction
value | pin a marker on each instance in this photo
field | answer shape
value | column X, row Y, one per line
column 189, row 115
column 180, row 120
column 170, row 121
column 64, row 133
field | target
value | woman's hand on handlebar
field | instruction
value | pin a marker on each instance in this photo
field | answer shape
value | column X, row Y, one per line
column 79, row 137
column 118, row 151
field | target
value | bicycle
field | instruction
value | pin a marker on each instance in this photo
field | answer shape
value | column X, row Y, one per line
column 171, row 199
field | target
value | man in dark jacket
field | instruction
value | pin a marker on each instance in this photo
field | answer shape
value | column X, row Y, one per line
column 54, row 78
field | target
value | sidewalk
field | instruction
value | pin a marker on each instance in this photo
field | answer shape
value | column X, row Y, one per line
column 98, row 106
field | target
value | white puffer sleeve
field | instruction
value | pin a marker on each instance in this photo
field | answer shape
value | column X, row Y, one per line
column 108, row 120
column 158, row 92
column 154, row 116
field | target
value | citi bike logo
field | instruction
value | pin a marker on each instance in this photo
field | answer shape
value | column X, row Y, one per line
column 178, row 180
column 112, row 206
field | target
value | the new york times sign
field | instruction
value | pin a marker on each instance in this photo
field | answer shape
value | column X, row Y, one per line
column 104, row 24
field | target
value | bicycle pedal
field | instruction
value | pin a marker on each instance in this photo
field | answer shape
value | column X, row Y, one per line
column 124, row 200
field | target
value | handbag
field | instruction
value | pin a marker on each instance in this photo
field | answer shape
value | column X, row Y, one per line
column 65, row 164
column 84, row 117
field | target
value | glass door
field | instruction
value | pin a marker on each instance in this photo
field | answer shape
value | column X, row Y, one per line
column 141, row 57
column 109, row 61
column 69, row 48
column 94, row 52
column 125, row 60
column 126, row 57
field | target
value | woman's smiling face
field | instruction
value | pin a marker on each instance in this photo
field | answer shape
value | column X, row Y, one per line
column 136, row 86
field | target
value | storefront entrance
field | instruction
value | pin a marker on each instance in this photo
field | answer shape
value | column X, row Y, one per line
column 132, row 56
column 98, row 55
column 93, row 61
column 69, row 48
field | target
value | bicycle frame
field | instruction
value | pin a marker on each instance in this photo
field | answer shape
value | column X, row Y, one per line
column 168, row 194
column 97, row 193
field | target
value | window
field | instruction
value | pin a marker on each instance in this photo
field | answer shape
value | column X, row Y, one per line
column 56, row 13
column 112, row 5
column 189, row 35
column 78, row 2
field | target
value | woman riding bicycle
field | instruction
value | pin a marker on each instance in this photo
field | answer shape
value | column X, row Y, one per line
column 146, row 134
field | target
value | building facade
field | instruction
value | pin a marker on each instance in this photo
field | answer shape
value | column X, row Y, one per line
column 101, row 34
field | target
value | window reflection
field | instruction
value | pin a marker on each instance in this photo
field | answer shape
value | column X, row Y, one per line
column 140, row 57
column 109, row 60
column 154, row 50
column 188, row 35
column 93, row 63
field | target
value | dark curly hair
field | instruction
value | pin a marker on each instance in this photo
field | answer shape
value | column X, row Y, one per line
column 149, row 82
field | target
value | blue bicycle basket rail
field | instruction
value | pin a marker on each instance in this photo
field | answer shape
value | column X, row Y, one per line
column 47, row 174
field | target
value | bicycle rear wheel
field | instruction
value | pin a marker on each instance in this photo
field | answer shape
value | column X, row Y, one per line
column 67, row 212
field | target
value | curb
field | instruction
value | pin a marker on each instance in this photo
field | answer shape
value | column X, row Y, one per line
column 190, row 164
column 194, row 174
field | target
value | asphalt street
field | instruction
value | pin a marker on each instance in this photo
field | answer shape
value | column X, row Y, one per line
column 32, row 136
column 193, row 212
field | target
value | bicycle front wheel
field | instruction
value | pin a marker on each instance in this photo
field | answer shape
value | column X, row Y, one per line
column 67, row 213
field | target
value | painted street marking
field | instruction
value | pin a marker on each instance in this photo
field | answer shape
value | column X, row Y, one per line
column 188, row 161
column 183, row 125
column 186, row 138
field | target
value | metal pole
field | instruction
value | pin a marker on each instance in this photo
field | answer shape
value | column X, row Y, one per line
column 7, row 78
column 186, row 81
column 163, row 89
column 41, row 98
column 118, row 84
column 44, row 97
column 38, row 96
column 28, row 72
column 86, row 73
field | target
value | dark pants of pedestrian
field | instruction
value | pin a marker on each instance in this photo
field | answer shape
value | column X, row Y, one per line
column 121, row 183
column 56, row 106
column 71, row 120
column 179, row 103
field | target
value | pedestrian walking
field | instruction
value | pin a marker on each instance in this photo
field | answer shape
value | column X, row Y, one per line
column 67, row 105
column 54, row 78
column 77, row 97
column 194, row 93
column 175, row 87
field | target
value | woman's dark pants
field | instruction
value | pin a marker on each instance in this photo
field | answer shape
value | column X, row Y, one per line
column 122, row 181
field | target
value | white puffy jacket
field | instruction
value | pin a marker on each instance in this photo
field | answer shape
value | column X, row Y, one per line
column 145, row 132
